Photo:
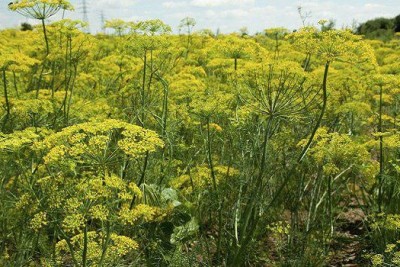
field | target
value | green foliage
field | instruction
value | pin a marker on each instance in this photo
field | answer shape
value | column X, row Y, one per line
column 145, row 148
column 380, row 28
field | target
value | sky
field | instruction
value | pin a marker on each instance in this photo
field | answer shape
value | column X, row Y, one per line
column 225, row 15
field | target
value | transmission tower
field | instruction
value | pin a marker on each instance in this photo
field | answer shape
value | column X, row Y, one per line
column 103, row 22
column 85, row 15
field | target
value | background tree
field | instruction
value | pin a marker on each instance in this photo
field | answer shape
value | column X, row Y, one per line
column 379, row 28
column 26, row 27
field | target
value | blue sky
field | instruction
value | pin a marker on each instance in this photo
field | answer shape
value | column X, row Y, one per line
column 227, row 15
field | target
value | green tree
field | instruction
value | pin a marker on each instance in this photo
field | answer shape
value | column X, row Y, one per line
column 379, row 28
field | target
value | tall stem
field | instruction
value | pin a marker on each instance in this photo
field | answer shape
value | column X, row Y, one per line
column 209, row 157
column 106, row 244
column 85, row 247
column 6, row 92
column 188, row 41
column 142, row 179
column 214, row 181
column 6, row 98
column 321, row 115
column 235, row 63
column 45, row 37
column 311, row 138
column 144, row 86
column 276, row 46
column 15, row 84
column 380, row 151
column 330, row 205
column 250, row 222
column 164, row 119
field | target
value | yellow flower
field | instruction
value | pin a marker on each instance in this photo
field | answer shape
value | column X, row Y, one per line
column 95, row 142
column 39, row 220
column 73, row 222
column 216, row 127
column 99, row 212
column 122, row 245
column 322, row 21
column 377, row 260
column 141, row 211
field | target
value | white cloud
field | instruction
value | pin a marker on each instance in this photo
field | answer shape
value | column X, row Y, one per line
column 174, row 4
column 373, row 6
column 215, row 3
column 211, row 14
column 234, row 13
column 106, row 5
column 264, row 11
column 178, row 16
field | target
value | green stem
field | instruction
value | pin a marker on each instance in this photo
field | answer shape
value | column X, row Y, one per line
column 235, row 63
column 85, row 244
column 70, row 246
column 249, row 226
column 70, row 95
column 53, row 78
column 321, row 115
column 105, row 245
column 143, row 87
column 142, row 178
column 39, row 82
column 209, row 157
column 380, row 151
column 305, row 149
column 15, row 84
column 330, row 205
column 164, row 119
column 214, row 181
column 276, row 47
column 6, row 92
column 307, row 62
column 45, row 37
column 6, row 99
column 68, row 77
